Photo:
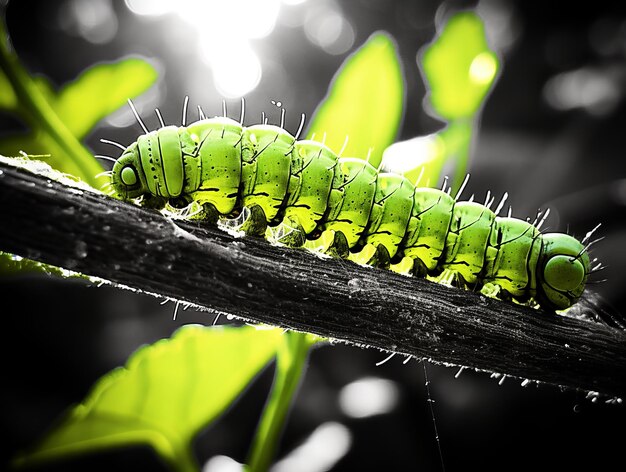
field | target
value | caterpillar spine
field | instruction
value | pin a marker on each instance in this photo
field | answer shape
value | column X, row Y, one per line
column 346, row 207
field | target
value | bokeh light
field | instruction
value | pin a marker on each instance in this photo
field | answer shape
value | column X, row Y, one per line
column 483, row 68
column 319, row 452
column 93, row 20
column 368, row 397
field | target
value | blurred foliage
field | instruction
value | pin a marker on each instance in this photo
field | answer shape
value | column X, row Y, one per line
column 459, row 67
column 459, row 70
column 364, row 102
column 290, row 364
column 57, row 121
column 164, row 395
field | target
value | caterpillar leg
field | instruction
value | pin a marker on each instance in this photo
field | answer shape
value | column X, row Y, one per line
column 449, row 277
column 251, row 221
column 153, row 202
column 405, row 267
column 289, row 232
column 208, row 214
column 374, row 255
column 256, row 222
column 410, row 266
column 491, row 290
column 330, row 242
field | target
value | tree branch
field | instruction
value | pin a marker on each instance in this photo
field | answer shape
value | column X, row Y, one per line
column 83, row 231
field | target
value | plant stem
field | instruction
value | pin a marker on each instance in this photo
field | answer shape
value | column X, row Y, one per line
column 290, row 364
column 41, row 113
column 184, row 460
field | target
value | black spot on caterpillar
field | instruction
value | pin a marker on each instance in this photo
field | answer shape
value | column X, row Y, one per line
column 305, row 195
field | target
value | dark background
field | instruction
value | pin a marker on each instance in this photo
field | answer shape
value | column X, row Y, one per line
column 551, row 135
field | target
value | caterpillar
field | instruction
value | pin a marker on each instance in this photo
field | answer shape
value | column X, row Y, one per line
column 345, row 207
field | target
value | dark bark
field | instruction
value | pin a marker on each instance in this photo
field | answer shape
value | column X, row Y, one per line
column 90, row 233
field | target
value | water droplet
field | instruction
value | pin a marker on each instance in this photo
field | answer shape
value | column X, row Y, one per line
column 116, row 266
column 106, row 228
column 230, row 317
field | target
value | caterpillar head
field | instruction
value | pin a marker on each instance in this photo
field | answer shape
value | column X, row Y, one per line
column 127, row 178
column 563, row 270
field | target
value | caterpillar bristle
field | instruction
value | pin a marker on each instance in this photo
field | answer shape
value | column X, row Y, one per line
column 243, row 111
column 301, row 126
column 113, row 143
column 487, row 198
column 106, row 158
column 445, row 182
column 137, row 117
column 185, row 104
column 501, row 204
column 537, row 216
column 462, row 187
column 160, row 117
column 201, row 115
column 590, row 233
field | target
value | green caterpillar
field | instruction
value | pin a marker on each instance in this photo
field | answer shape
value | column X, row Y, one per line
column 308, row 195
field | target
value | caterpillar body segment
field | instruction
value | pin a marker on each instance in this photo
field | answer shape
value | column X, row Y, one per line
column 428, row 229
column 514, row 246
column 345, row 207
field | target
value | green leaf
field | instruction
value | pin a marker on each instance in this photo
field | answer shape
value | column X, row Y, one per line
column 164, row 395
column 99, row 91
column 459, row 67
column 364, row 102
column 8, row 99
